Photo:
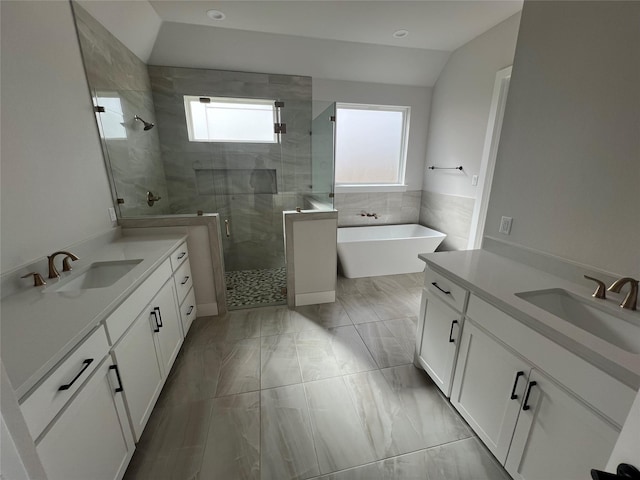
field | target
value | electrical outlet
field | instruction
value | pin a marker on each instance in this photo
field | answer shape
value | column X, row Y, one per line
column 505, row 225
column 474, row 180
column 112, row 214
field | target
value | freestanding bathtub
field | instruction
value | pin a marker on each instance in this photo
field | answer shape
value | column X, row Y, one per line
column 385, row 249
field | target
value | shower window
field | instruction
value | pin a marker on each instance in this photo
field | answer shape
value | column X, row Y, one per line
column 222, row 119
column 371, row 145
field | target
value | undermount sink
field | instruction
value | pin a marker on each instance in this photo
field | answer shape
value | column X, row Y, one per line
column 97, row 275
column 583, row 314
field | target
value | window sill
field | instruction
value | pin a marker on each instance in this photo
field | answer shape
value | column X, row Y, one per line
column 369, row 188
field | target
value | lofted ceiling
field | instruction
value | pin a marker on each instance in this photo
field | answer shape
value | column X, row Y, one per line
column 434, row 25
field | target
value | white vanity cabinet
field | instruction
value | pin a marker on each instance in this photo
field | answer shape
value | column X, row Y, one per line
column 91, row 439
column 439, row 328
column 146, row 353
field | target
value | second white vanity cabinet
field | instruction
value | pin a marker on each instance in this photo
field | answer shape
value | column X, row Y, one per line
column 439, row 328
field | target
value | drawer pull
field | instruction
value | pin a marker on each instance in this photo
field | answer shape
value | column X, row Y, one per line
column 451, row 339
column 86, row 364
column 515, row 385
column 115, row 367
column 446, row 292
column 525, row 405
column 186, row 279
column 190, row 310
column 157, row 309
column 156, row 326
column 181, row 256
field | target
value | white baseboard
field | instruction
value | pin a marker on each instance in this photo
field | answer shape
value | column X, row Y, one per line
column 315, row 297
column 207, row 309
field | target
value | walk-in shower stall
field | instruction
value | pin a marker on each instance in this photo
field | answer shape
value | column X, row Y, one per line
column 187, row 140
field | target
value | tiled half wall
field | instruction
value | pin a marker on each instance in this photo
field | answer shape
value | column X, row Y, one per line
column 448, row 214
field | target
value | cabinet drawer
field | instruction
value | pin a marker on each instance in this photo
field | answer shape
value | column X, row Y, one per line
column 593, row 386
column 443, row 288
column 179, row 255
column 47, row 400
column 122, row 318
column 188, row 311
column 183, row 280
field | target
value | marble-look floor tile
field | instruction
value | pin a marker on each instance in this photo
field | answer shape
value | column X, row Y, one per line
column 182, row 464
column 176, row 427
column 393, row 283
column 386, row 350
column 391, row 306
column 429, row 412
column 207, row 330
column 465, row 459
column 277, row 321
column 233, row 443
column 194, row 376
column 325, row 315
column 404, row 330
column 279, row 361
column 359, row 308
column 287, row 451
column 411, row 466
column 239, row 367
column 386, row 424
column 327, row 353
column 340, row 440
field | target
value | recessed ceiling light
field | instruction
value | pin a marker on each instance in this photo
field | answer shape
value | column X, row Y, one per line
column 400, row 33
column 216, row 15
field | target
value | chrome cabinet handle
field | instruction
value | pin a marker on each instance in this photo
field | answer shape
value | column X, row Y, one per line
column 515, row 385
column 446, row 292
column 525, row 405
column 85, row 364
column 451, row 339
column 115, row 367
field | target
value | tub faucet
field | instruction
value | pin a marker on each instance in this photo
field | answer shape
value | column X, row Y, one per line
column 630, row 302
column 367, row 214
column 53, row 271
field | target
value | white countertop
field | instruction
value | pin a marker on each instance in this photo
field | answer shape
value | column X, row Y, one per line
column 40, row 326
column 497, row 279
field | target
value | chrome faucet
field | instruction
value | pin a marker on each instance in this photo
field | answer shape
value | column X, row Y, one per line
column 66, row 266
column 630, row 302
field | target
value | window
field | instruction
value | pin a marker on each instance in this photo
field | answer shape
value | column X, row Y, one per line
column 222, row 119
column 111, row 120
column 371, row 145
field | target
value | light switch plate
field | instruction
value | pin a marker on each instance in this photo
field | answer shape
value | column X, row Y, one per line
column 505, row 225
column 112, row 214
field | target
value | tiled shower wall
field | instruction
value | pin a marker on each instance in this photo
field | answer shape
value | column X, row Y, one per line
column 392, row 208
column 448, row 214
column 113, row 71
column 256, row 239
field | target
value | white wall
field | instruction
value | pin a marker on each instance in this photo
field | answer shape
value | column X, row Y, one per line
column 54, row 187
column 418, row 98
column 460, row 108
column 182, row 45
column 568, row 166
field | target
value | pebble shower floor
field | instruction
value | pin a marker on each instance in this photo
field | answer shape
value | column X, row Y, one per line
column 256, row 288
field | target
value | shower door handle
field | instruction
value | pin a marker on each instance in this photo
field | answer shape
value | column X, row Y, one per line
column 226, row 228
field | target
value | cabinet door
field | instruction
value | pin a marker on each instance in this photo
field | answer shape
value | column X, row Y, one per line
column 92, row 438
column 488, row 388
column 165, row 315
column 557, row 436
column 441, row 328
column 140, row 371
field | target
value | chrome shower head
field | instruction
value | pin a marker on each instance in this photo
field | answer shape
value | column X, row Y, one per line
column 147, row 125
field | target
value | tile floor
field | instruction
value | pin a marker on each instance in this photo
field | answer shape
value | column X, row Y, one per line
column 324, row 392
